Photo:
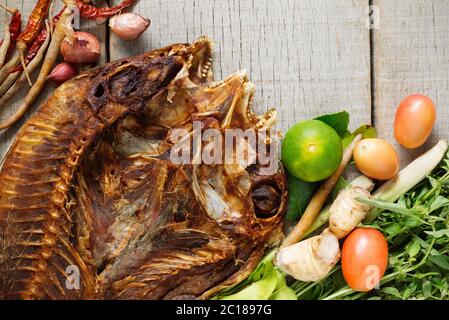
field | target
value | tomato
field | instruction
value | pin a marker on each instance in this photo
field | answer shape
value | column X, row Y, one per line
column 364, row 258
column 376, row 158
column 415, row 118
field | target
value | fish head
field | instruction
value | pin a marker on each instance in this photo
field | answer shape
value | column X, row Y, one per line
column 246, row 193
column 135, row 81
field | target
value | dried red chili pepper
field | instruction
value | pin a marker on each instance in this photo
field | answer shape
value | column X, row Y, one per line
column 34, row 26
column 35, row 23
column 92, row 12
column 15, row 27
column 34, row 48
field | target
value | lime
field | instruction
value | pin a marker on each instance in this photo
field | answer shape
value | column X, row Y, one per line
column 312, row 150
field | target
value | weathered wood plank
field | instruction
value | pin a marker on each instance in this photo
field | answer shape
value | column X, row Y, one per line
column 26, row 6
column 306, row 57
column 411, row 55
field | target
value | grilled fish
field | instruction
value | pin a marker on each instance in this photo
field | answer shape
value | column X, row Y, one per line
column 92, row 205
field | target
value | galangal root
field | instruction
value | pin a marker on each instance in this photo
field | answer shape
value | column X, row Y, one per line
column 311, row 259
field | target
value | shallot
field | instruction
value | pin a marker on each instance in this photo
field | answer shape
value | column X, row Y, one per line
column 62, row 72
column 376, row 158
column 81, row 48
column 129, row 26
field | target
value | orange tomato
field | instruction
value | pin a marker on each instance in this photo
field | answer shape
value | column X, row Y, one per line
column 364, row 258
column 415, row 118
column 376, row 158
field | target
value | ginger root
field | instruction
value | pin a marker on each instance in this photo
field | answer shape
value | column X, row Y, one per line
column 346, row 212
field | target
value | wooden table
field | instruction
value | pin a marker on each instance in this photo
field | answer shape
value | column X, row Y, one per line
column 306, row 57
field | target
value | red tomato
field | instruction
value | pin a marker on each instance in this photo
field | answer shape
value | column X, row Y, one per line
column 414, row 121
column 364, row 258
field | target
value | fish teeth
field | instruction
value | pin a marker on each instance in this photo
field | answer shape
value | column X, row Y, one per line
column 206, row 68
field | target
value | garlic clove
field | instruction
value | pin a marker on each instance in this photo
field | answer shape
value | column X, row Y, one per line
column 128, row 26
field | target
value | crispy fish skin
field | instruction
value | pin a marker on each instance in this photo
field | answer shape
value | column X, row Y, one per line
column 35, row 220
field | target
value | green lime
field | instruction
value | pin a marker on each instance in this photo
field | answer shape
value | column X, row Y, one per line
column 312, row 150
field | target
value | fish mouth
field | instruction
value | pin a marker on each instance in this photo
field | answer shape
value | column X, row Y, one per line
column 200, row 69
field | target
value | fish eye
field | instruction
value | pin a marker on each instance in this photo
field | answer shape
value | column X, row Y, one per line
column 266, row 199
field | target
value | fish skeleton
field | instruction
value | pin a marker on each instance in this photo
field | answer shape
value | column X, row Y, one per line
column 93, row 207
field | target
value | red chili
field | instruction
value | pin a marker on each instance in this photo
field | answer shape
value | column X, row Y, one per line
column 92, row 12
column 35, row 21
column 15, row 27
column 34, row 48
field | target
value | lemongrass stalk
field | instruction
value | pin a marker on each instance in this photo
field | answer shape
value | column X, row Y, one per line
column 409, row 177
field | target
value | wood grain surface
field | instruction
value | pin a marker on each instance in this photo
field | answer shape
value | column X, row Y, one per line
column 411, row 55
column 306, row 57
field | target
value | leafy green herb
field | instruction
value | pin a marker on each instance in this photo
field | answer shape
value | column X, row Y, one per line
column 300, row 193
column 413, row 249
column 266, row 282
column 338, row 121
column 392, row 291
column 441, row 261
column 417, row 230
column 259, row 290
